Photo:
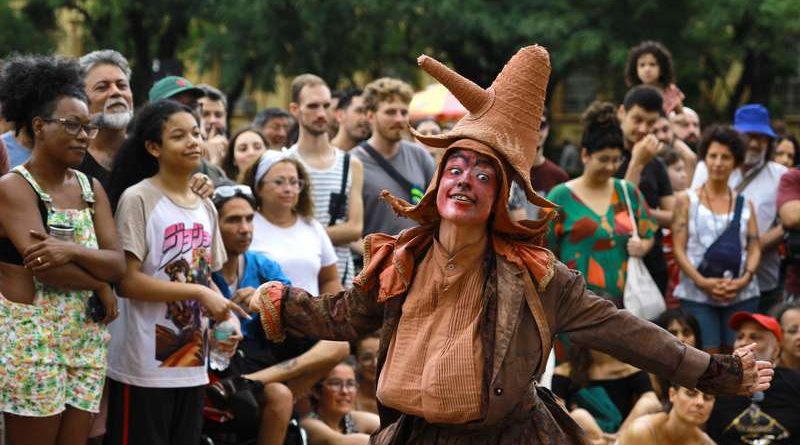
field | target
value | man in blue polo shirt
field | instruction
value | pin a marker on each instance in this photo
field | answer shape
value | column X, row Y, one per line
column 274, row 372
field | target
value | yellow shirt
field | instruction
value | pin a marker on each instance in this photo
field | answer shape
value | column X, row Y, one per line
column 434, row 366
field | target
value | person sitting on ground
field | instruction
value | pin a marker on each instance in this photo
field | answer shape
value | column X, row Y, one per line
column 602, row 394
column 333, row 420
column 275, row 371
column 766, row 417
column 684, row 327
column 688, row 410
column 788, row 315
column 366, row 352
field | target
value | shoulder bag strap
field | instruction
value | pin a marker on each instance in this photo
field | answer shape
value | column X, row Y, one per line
column 387, row 167
column 624, row 185
column 339, row 204
column 737, row 214
column 749, row 178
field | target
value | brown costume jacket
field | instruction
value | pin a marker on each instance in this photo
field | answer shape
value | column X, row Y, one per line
column 516, row 331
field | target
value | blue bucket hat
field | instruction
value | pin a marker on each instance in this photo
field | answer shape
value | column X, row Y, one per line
column 753, row 118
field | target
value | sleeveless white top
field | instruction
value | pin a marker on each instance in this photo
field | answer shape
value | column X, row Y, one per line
column 704, row 228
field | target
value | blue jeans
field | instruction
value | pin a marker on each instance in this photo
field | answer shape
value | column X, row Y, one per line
column 713, row 320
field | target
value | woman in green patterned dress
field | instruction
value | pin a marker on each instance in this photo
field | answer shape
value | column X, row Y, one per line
column 593, row 232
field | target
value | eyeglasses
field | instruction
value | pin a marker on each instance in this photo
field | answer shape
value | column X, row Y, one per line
column 341, row 385
column 229, row 191
column 281, row 182
column 73, row 128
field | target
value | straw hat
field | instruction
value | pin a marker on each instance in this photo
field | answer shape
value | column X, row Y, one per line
column 506, row 116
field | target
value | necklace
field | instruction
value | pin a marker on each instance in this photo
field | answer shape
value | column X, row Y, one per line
column 704, row 191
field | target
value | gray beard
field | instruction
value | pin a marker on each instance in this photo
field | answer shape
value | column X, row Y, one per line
column 751, row 159
column 115, row 121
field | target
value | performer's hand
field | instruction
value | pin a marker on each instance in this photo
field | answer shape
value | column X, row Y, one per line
column 756, row 374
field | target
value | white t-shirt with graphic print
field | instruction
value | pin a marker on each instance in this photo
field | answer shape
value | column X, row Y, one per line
column 156, row 344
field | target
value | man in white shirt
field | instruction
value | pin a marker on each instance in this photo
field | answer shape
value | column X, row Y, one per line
column 757, row 179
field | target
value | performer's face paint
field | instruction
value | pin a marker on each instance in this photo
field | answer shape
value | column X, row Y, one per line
column 467, row 189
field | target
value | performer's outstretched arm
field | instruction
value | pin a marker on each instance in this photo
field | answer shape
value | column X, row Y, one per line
column 346, row 315
column 596, row 323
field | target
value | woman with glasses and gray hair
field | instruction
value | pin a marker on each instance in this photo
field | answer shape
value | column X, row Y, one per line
column 333, row 421
column 285, row 228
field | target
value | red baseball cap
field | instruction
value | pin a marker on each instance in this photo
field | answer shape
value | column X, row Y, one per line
column 764, row 321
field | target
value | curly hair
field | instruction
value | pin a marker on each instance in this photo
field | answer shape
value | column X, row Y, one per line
column 384, row 90
column 228, row 166
column 723, row 135
column 31, row 85
column 305, row 203
column 663, row 57
column 601, row 128
column 133, row 162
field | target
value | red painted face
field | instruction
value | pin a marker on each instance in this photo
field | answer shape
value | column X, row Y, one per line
column 467, row 189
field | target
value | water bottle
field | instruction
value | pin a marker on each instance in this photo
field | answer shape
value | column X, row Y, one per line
column 64, row 232
column 219, row 360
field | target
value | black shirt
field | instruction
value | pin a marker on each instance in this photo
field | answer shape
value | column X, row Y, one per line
column 92, row 168
column 654, row 185
column 736, row 418
column 623, row 392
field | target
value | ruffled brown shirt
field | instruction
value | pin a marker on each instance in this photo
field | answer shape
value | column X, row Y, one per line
column 434, row 367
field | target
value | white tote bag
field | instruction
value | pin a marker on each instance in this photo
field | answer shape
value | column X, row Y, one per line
column 642, row 296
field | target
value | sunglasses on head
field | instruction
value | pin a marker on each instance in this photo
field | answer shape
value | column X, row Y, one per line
column 229, row 191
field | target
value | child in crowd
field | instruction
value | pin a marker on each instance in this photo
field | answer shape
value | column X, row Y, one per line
column 56, row 293
column 650, row 63
column 171, row 238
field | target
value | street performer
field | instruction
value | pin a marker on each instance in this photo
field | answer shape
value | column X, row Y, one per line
column 468, row 302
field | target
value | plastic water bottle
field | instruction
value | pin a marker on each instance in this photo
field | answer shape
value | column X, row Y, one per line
column 219, row 360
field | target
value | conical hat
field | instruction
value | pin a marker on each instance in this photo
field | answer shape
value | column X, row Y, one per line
column 506, row 116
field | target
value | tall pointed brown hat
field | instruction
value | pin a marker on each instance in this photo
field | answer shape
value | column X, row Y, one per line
column 506, row 116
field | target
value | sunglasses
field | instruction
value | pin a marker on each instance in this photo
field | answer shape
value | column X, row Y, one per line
column 73, row 128
column 229, row 191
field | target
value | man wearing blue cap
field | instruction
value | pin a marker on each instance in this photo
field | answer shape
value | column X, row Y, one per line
column 757, row 179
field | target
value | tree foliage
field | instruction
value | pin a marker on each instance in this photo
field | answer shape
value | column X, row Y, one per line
column 726, row 52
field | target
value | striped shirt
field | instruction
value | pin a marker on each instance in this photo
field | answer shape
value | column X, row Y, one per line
column 323, row 184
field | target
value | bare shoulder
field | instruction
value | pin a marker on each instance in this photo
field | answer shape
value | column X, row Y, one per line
column 641, row 430
column 705, row 439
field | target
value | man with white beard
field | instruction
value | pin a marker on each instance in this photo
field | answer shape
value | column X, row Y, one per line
column 107, row 83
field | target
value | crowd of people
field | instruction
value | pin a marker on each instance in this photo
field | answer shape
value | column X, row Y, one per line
column 129, row 237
